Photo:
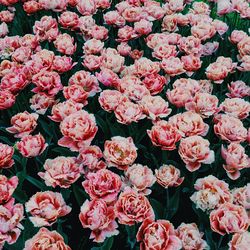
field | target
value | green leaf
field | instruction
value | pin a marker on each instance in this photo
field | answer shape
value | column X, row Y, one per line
column 131, row 231
column 79, row 194
column 158, row 208
column 36, row 183
column 107, row 245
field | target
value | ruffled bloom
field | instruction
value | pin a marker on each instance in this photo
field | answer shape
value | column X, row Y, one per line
column 10, row 217
column 7, row 188
column 46, row 239
column 78, row 129
column 61, row 171
column 168, row 176
column 132, row 207
column 235, row 158
column 164, row 135
column 195, row 150
column 99, row 218
column 6, row 153
column 190, row 237
column 120, row 152
column 240, row 241
column 230, row 129
column 211, row 192
column 31, row 145
column 23, row 124
column 229, row 218
column 46, row 207
column 140, row 178
column 158, row 234
column 104, row 184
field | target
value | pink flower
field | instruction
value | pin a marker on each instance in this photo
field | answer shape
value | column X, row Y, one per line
column 236, row 107
column 230, row 129
column 132, row 14
column 90, row 157
column 99, row 218
column 46, row 239
column 209, row 48
column 220, row 26
column 169, row 23
column 76, row 93
column 211, row 193
column 143, row 27
column 195, row 150
column 155, row 83
column 191, row 237
column 31, row 145
column 114, row 18
column 107, row 77
column 164, row 51
column 158, row 234
column 224, row 7
column 4, row 30
column 68, row 20
column 46, row 207
column 120, row 152
column 46, row 28
column 62, row 110
column 164, row 135
column 132, row 207
column 7, row 188
column 127, row 112
column 112, row 60
column 92, row 62
column 48, row 82
column 78, row 129
column 168, row 176
column 55, row 5
column 173, row 66
column 140, row 178
column 155, row 107
column 217, row 72
column 7, row 99
column 190, row 45
column 189, row 123
column 6, row 16
column 235, row 159
column 21, row 55
column 31, row 6
column 110, row 99
column 40, row 102
column 203, row 30
column 244, row 46
column 85, row 80
column 238, row 89
column 204, row 104
column 61, row 171
column 13, row 82
column 93, row 46
column 62, row 64
column 10, row 217
column 241, row 196
column 64, row 43
column 104, row 184
column 23, row 124
column 191, row 63
column 86, row 7
column 179, row 96
column 145, row 67
column 229, row 218
column 237, row 36
column 6, row 153
column 240, row 241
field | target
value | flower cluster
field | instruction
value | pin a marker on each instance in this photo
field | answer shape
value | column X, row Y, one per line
column 124, row 121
